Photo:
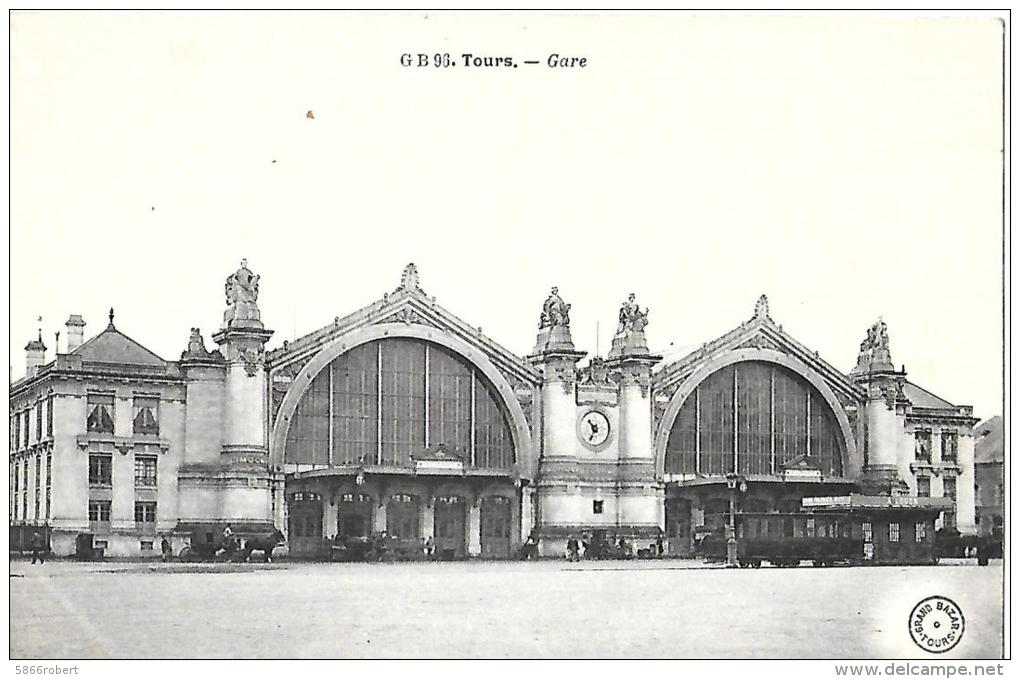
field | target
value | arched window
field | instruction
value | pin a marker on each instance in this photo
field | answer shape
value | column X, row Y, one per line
column 752, row 418
column 383, row 401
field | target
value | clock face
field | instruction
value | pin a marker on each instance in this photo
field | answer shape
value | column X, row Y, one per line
column 594, row 428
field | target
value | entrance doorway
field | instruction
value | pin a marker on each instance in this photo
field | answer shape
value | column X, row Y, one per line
column 497, row 526
column 450, row 525
column 354, row 518
column 678, row 526
column 402, row 520
column 305, row 524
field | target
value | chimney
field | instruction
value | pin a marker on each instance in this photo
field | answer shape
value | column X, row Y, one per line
column 35, row 356
column 75, row 330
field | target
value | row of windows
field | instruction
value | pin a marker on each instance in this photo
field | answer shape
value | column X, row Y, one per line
column 21, row 492
column 923, row 445
column 21, row 424
column 101, row 470
column 99, row 512
column 948, row 487
column 102, row 414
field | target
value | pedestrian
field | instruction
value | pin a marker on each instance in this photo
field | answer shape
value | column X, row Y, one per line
column 572, row 549
column 38, row 548
column 430, row 547
column 166, row 549
column 658, row 545
column 424, row 548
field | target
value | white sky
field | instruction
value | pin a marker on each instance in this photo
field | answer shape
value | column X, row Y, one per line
column 849, row 167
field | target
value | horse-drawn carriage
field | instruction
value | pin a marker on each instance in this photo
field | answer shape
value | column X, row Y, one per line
column 375, row 547
column 230, row 541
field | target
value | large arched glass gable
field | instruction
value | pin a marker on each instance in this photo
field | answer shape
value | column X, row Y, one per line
column 383, row 401
column 753, row 417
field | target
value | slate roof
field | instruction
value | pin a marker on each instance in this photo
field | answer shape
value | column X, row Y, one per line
column 988, row 443
column 113, row 346
column 922, row 398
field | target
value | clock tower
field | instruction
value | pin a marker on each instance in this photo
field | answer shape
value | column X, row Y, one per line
column 596, row 472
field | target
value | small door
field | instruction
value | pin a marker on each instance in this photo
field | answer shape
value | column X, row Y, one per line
column 305, row 528
column 678, row 526
column 402, row 517
column 450, row 524
column 354, row 516
column 496, row 516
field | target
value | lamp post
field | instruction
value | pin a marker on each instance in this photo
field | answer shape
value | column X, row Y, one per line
column 734, row 482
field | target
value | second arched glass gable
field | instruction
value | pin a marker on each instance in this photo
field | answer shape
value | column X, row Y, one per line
column 752, row 418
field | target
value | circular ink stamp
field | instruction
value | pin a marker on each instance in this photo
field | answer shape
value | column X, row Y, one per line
column 936, row 624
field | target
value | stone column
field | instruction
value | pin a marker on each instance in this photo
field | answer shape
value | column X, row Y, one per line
column 527, row 512
column 965, row 499
column 379, row 518
column 474, row 530
column 882, row 475
column 329, row 517
column 244, row 456
column 557, row 491
column 428, row 520
column 641, row 500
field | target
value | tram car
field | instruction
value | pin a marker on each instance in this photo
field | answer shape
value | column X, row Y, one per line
column 850, row 530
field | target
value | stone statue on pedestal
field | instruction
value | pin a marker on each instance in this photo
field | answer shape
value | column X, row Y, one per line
column 874, row 349
column 555, row 312
column 630, row 331
column 242, row 292
column 632, row 319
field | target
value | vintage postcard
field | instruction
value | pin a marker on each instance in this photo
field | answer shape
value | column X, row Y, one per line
column 508, row 335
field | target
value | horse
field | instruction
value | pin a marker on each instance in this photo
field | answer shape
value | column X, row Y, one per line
column 263, row 543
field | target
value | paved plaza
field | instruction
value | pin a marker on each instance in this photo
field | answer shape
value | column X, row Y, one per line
column 548, row 609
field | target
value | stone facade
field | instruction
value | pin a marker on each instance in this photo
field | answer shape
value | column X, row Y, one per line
column 403, row 418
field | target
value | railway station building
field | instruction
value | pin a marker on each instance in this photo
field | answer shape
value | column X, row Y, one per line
column 403, row 418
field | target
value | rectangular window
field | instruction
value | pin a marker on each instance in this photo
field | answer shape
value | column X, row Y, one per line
column 597, row 506
column 145, row 512
column 38, row 486
column 49, row 416
column 145, row 471
column 146, row 545
column 100, row 470
column 17, row 431
column 100, row 409
column 923, row 486
column 14, row 434
column 39, row 420
column 28, row 415
column 922, row 445
column 949, row 445
column 866, row 530
column 949, row 488
column 894, row 532
column 920, row 532
column 14, row 493
column 99, row 511
column 146, row 415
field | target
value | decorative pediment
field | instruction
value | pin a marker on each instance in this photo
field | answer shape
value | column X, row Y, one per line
column 438, row 459
column 437, row 453
column 407, row 305
column 801, row 467
column 760, row 333
column 407, row 315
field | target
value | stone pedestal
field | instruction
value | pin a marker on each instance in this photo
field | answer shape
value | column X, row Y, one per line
column 640, row 496
column 244, row 454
